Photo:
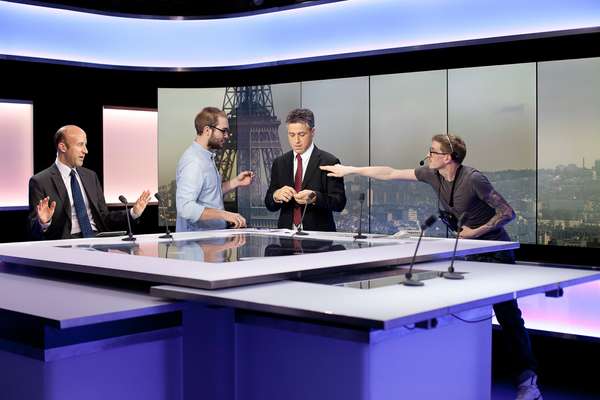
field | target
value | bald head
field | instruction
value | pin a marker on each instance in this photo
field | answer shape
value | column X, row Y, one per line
column 59, row 136
column 71, row 145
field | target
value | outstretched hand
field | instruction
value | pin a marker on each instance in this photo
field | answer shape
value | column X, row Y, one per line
column 337, row 170
column 45, row 210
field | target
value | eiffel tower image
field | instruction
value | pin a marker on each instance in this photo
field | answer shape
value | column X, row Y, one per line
column 253, row 146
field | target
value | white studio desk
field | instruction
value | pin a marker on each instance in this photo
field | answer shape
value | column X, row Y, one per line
column 290, row 327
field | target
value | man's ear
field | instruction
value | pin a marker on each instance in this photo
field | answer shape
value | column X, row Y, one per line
column 62, row 147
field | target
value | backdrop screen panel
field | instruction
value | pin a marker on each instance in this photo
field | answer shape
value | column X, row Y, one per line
column 406, row 111
column 341, row 108
column 494, row 110
column 569, row 153
column 514, row 118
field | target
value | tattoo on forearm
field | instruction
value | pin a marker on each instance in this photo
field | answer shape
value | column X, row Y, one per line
column 504, row 212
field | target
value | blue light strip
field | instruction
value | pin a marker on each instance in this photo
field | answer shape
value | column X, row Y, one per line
column 331, row 29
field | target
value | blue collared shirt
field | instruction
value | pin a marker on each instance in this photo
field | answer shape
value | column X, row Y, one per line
column 198, row 188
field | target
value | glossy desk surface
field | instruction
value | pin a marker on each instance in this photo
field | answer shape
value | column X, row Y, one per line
column 147, row 258
column 66, row 304
column 396, row 305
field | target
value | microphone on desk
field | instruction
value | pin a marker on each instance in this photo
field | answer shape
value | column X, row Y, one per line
column 409, row 281
column 361, row 198
column 167, row 234
column 451, row 274
column 310, row 199
column 130, row 238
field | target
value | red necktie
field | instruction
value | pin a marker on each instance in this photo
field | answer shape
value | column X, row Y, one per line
column 298, row 187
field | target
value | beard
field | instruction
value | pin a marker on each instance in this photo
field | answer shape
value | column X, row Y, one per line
column 215, row 143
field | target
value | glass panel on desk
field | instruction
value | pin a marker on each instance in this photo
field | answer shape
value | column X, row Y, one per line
column 234, row 247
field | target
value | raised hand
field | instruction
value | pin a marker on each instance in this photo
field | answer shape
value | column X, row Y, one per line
column 140, row 204
column 45, row 210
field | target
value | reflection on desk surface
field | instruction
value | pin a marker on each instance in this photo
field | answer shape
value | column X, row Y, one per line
column 236, row 247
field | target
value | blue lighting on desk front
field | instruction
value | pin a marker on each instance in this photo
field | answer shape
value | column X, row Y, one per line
column 327, row 30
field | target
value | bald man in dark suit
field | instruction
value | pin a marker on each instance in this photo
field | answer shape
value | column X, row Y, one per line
column 66, row 200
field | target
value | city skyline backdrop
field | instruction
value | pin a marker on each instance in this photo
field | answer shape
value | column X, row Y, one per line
column 389, row 120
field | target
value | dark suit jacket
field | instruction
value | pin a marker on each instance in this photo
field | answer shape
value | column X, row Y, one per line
column 50, row 183
column 331, row 195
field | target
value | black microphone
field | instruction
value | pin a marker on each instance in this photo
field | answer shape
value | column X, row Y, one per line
column 422, row 162
column 361, row 198
column 167, row 234
column 311, row 196
column 409, row 281
column 451, row 274
column 130, row 238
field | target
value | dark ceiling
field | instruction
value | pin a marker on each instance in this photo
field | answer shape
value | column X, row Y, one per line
column 186, row 8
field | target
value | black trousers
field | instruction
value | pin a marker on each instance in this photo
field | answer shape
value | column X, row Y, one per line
column 509, row 317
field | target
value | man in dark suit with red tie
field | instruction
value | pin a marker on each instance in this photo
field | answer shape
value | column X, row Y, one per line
column 66, row 200
column 297, row 181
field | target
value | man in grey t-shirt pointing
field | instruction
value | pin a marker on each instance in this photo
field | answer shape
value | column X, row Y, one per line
column 464, row 191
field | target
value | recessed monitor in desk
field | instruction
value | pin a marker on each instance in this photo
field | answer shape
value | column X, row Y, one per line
column 224, row 249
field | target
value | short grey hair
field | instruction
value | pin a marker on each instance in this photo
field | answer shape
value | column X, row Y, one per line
column 301, row 115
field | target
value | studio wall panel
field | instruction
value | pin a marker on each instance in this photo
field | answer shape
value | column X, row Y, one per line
column 129, row 153
column 16, row 152
column 261, row 138
column 494, row 110
column 406, row 111
column 569, row 152
column 341, row 108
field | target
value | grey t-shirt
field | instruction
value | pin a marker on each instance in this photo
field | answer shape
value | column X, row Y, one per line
column 470, row 190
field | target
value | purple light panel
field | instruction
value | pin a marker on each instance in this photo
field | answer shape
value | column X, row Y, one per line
column 130, row 153
column 325, row 30
column 16, row 152
column 576, row 313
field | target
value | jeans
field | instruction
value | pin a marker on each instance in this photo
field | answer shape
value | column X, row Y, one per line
column 508, row 315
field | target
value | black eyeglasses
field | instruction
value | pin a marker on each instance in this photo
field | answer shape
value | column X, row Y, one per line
column 225, row 131
column 436, row 152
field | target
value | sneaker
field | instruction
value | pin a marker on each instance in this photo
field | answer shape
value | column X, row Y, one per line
column 528, row 389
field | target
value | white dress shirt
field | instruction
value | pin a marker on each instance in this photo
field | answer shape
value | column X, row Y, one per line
column 65, row 173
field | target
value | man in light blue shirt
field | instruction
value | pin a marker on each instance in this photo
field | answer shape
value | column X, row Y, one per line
column 200, row 187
